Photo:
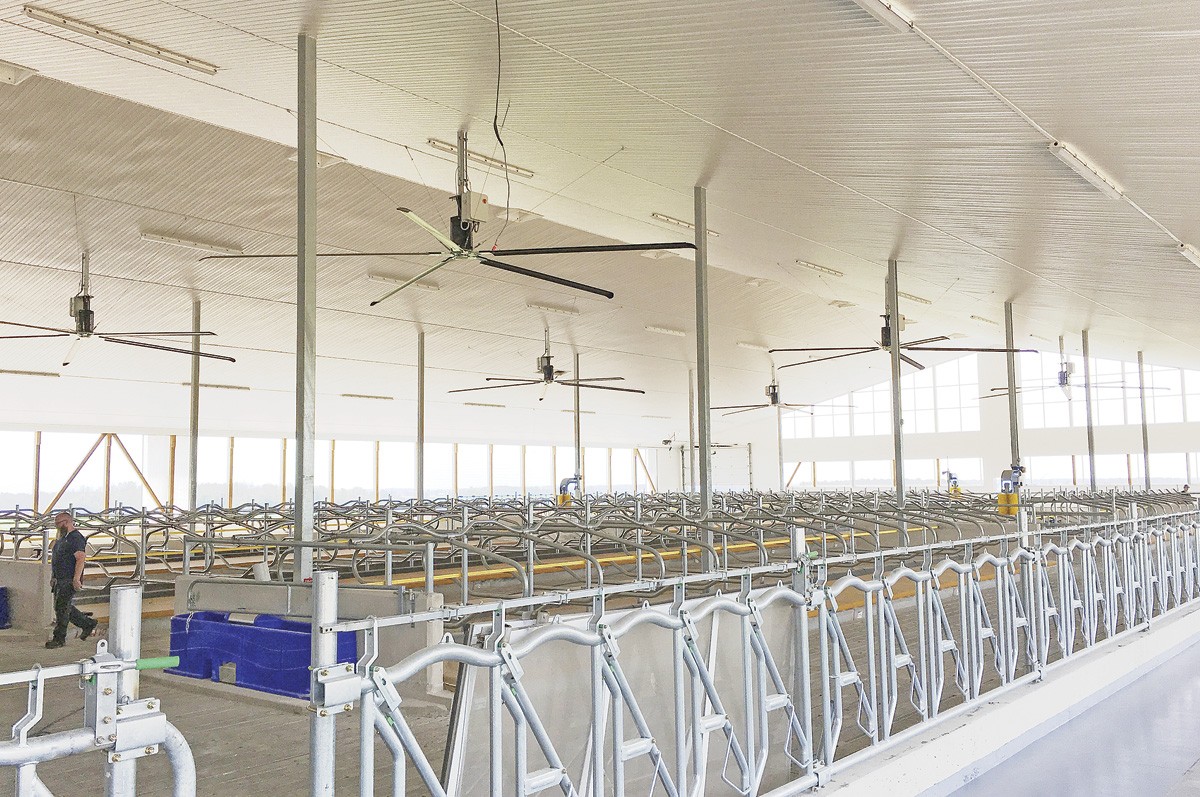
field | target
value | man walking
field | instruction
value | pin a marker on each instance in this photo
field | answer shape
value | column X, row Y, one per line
column 70, row 554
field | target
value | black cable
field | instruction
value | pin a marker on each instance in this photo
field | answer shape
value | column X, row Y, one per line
column 499, row 140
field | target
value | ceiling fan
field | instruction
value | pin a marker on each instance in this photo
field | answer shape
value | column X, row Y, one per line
column 773, row 400
column 1066, row 370
column 885, row 344
column 460, row 245
column 548, row 375
column 85, row 327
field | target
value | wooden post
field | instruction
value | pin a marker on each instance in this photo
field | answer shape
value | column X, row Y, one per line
column 332, row 462
column 377, row 471
column 107, row 470
column 229, row 476
column 71, row 478
column 136, row 470
column 283, row 472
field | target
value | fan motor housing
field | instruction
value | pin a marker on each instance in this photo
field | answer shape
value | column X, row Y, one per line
column 546, row 367
column 81, row 311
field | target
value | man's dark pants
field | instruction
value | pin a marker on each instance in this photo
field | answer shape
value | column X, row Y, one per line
column 65, row 611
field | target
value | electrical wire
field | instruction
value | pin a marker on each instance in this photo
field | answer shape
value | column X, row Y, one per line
column 499, row 139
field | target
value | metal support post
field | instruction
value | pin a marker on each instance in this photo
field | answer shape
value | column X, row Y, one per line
column 779, row 443
column 578, row 439
column 322, row 730
column 1087, row 404
column 703, row 378
column 1145, row 421
column 306, row 300
column 691, row 435
column 194, row 410
column 1011, row 361
column 421, row 415
column 893, row 320
column 125, row 643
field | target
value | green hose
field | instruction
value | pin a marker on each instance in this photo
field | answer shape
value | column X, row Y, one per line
column 158, row 663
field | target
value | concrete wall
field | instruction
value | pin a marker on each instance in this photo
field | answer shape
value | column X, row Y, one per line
column 31, row 603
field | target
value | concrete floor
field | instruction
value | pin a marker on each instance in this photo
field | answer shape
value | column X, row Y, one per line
column 245, row 744
column 1142, row 742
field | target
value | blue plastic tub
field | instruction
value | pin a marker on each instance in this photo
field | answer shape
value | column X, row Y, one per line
column 270, row 655
column 5, row 614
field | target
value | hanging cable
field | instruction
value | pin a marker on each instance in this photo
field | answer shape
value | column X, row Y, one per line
column 499, row 139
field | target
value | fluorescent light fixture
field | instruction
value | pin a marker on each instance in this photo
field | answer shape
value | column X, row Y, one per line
column 216, row 386
column 482, row 404
column 516, row 215
column 842, row 304
column 820, row 269
column 425, row 286
column 755, row 282
column 119, row 39
column 656, row 417
column 1191, row 253
column 549, row 308
column 12, row 74
column 323, row 159
column 985, row 320
column 1085, row 169
column 679, row 333
column 888, row 13
column 12, row 372
column 687, row 225
column 581, row 412
column 745, row 344
column 658, row 254
column 201, row 245
column 479, row 157
column 1039, row 337
column 912, row 298
column 367, row 396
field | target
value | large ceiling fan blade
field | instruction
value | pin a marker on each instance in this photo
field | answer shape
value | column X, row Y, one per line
column 923, row 341
column 825, row 359
column 411, row 280
column 740, row 407
column 497, row 387
column 996, row 395
column 155, row 334
column 293, row 255
column 600, row 379
column 509, row 379
column 967, row 349
column 72, row 351
column 579, row 286
column 443, row 239
column 834, row 348
column 912, row 362
column 746, row 409
column 189, row 352
column 577, row 250
column 603, row 387
column 35, row 326
column 45, row 335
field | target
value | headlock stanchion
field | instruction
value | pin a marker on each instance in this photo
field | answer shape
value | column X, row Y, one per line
column 775, row 686
column 116, row 722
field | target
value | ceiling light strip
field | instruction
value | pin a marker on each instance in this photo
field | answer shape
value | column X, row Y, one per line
column 913, row 298
column 985, row 320
column 1191, row 253
column 888, row 13
column 479, row 157
column 202, row 246
column 425, row 286
column 119, row 39
column 549, row 308
column 820, row 269
column 678, row 333
column 1085, row 169
column 687, row 225
column 14, row 372
column 745, row 344
column 482, row 404
column 216, row 386
column 367, row 396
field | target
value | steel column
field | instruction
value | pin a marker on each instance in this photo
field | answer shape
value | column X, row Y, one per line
column 124, row 642
column 703, row 378
column 578, row 443
column 893, row 319
column 1011, row 361
column 306, row 300
column 1087, row 403
column 691, row 435
column 779, row 443
column 322, row 727
column 421, row 415
column 1145, row 421
column 194, row 410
